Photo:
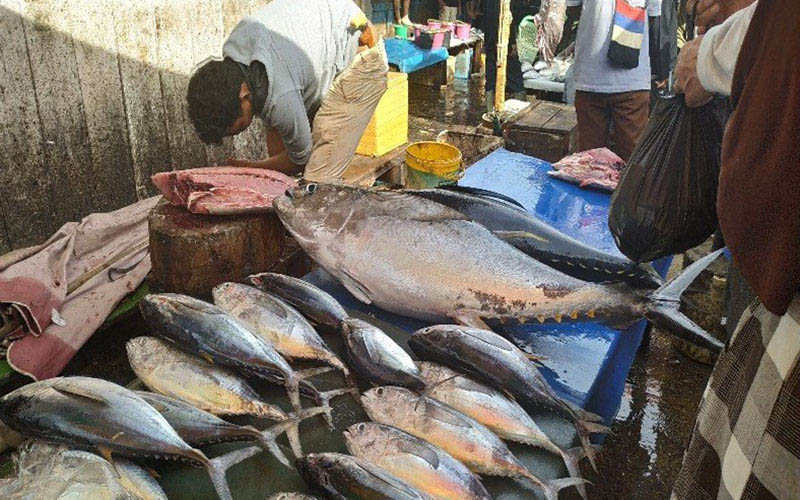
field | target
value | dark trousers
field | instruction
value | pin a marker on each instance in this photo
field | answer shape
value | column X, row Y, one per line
column 626, row 111
column 514, row 81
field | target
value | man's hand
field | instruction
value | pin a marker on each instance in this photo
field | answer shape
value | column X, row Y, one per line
column 713, row 12
column 686, row 80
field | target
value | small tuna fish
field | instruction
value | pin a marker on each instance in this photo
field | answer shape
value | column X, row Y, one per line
column 317, row 305
column 463, row 437
column 504, row 416
column 203, row 329
column 171, row 372
column 496, row 361
column 277, row 322
column 377, row 357
column 201, row 428
column 424, row 466
column 342, row 477
column 93, row 414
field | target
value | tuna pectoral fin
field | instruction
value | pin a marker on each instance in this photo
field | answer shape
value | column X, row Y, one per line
column 662, row 308
column 355, row 288
column 552, row 487
column 572, row 458
column 313, row 372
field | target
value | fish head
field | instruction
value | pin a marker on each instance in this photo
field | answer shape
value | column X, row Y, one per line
column 429, row 339
column 226, row 294
column 362, row 439
column 174, row 316
column 387, row 404
column 315, row 213
column 314, row 468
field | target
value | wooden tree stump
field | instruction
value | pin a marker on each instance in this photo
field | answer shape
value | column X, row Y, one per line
column 191, row 254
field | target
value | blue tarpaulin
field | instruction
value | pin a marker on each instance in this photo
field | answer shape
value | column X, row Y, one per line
column 409, row 58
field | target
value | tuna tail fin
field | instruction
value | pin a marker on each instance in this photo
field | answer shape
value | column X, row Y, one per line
column 585, row 430
column 662, row 306
column 572, row 458
column 323, row 400
column 217, row 468
column 267, row 440
column 292, row 427
column 581, row 414
column 552, row 487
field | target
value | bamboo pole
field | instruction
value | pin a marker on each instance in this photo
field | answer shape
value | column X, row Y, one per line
column 503, row 32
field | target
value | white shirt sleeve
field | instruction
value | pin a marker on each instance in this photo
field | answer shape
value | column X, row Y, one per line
column 719, row 51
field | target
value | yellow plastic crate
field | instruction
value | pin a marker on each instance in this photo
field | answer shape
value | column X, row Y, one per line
column 388, row 127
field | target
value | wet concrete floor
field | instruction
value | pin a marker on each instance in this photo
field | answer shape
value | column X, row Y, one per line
column 641, row 457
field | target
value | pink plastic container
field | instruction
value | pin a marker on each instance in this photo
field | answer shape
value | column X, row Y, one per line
column 451, row 27
column 434, row 24
column 462, row 30
column 417, row 30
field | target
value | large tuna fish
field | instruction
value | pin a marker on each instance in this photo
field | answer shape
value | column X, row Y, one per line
column 345, row 477
column 317, row 305
column 543, row 242
column 96, row 415
column 419, row 258
column 206, row 330
column 467, row 440
column 424, row 466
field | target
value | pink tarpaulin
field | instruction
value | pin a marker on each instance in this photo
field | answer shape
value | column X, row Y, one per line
column 64, row 289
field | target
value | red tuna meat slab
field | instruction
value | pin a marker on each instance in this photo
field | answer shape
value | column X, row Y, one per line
column 223, row 190
column 595, row 168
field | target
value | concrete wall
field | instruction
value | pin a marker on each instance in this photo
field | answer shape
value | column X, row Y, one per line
column 92, row 103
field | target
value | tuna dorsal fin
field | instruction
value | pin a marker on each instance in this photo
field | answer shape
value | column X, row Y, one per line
column 419, row 450
column 413, row 207
column 358, row 290
column 70, row 388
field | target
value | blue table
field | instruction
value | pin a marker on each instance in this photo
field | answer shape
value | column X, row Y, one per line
column 409, row 58
column 586, row 362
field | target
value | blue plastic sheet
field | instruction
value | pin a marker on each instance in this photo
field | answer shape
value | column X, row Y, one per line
column 409, row 58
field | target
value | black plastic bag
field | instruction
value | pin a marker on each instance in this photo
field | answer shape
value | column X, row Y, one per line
column 665, row 202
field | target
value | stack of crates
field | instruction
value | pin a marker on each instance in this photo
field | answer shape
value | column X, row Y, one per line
column 388, row 128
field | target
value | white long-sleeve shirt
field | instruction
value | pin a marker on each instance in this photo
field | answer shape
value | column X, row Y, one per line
column 719, row 51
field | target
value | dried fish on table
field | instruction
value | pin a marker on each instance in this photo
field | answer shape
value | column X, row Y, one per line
column 93, row 414
column 317, row 305
column 377, row 357
column 414, row 460
column 345, row 477
column 463, row 437
column 169, row 371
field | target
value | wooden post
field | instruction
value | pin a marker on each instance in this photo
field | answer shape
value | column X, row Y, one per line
column 503, row 31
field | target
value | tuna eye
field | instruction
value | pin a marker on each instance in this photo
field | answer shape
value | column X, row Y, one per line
column 380, row 391
column 311, row 188
column 361, row 427
column 289, row 194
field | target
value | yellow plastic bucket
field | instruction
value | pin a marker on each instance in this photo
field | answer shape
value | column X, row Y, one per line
column 431, row 164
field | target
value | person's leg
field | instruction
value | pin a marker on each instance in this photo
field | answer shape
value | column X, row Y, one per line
column 515, row 84
column 593, row 120
column 345, row 114
column 398, row 14
column 745, row 439
column 630, row 111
